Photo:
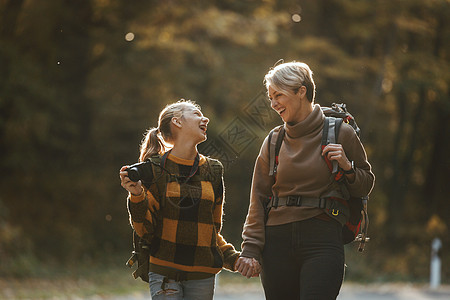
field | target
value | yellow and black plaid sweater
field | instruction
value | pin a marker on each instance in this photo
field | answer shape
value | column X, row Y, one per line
column 184, row 231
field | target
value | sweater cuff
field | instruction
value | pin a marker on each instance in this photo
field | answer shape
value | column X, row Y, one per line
column 251, row 251
column 230, row 262
column 137, row 199
column 355, row 188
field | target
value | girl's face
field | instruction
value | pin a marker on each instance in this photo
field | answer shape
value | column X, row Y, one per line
column 194, row 124
column 287, row 105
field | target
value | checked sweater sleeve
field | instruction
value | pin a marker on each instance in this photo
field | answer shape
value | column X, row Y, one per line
column 142, row 211
column 230, row 255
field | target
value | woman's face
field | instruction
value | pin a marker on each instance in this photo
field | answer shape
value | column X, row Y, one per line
column 287, row 105
column 194, row 124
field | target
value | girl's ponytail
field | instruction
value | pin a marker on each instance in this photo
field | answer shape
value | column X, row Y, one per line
column 151, row 144
column 158, row 140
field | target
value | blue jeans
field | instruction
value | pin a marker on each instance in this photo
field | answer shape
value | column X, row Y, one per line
column 202, row 289
column 303, row 260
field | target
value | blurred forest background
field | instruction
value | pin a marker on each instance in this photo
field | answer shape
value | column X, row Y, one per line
column 80, row 82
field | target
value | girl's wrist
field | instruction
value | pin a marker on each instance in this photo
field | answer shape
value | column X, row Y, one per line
column 139, row 194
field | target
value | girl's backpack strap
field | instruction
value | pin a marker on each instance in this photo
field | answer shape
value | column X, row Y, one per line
column 216, row 173
column 159, row 177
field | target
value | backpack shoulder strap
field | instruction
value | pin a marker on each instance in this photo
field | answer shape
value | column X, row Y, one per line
column 156, row 161
column 215, row 176
column 330, row 134
column 276, row 134
column 158, row 177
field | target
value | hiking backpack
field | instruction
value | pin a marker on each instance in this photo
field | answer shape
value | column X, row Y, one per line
column 141, row 247
column 355, row 220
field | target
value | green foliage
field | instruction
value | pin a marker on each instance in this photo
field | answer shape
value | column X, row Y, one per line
column 76, row 97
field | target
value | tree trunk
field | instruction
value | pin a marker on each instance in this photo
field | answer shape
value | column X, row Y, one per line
column 8, row 24
column 394, row 211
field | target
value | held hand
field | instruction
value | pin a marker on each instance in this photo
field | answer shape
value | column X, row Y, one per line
column 135, row 188
column 257, row 268
column 248, row 267
column 337, row 153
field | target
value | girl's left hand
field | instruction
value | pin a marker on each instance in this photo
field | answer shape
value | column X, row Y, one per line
column 337, row 153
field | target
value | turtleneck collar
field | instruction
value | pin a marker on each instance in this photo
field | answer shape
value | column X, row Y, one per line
column 308, row 125
column 187, row 162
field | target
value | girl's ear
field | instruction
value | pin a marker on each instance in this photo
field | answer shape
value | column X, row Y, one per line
column 176, row 121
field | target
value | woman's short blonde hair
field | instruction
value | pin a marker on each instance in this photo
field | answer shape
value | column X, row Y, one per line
column 289, row 77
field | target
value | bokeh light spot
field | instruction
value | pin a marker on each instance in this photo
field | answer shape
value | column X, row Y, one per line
column 129, row 36
column 296, row 18
column 386, row 85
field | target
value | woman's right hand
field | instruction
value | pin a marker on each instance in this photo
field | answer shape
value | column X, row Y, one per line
column 135, row 188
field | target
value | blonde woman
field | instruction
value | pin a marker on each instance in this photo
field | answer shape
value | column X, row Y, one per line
column 182, row 223
column 300, row 246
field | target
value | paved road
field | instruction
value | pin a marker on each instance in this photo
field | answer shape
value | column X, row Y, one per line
column 392, row 292
column 349, row 292
column 353, row 292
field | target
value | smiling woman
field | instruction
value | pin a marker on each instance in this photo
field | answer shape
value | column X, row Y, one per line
column 291, row 91
column 291, row 227
column 177, row 213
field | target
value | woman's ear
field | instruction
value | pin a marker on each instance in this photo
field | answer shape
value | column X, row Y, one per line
column 176, row 121
column 302, row 91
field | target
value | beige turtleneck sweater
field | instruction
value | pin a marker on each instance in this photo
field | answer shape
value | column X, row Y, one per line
column 301, row 171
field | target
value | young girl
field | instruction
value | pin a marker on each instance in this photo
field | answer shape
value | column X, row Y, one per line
column 183, row 222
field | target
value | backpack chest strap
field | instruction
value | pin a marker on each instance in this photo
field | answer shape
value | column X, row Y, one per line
column 297, row 201
column 334, row 207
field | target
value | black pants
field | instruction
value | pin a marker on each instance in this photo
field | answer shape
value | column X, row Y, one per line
column 303, row 260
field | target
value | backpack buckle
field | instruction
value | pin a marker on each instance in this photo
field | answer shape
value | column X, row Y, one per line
column 293, row 200
column 275, row 201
